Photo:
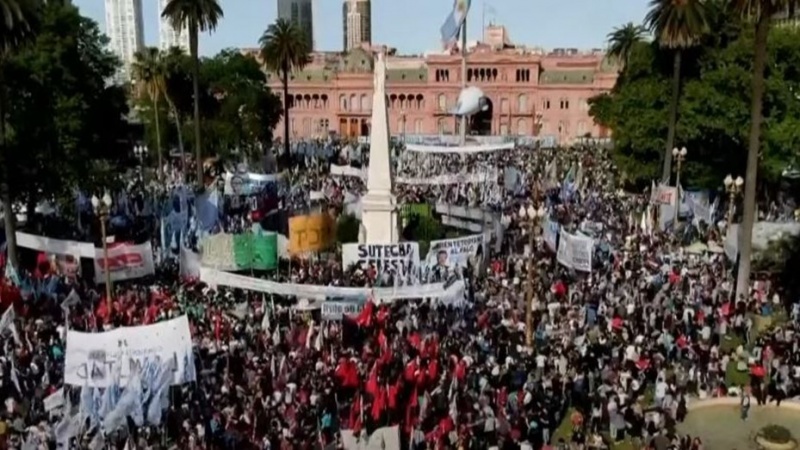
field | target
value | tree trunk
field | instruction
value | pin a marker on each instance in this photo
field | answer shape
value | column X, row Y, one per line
column 286, row 104
column 160, row 168
column 673, row 116
column 751, row 177
column 196, row 91
column 9, row 219
column 181, row 149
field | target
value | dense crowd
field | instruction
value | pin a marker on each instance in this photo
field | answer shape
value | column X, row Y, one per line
column 616, row 354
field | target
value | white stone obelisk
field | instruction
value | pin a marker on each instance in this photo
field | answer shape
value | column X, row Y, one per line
column 379, row 217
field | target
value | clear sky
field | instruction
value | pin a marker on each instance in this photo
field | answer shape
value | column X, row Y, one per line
column 412, row 26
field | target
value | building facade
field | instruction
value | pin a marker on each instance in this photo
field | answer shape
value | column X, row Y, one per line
column 531, row 92
column 169, row 36
column 301, row 13
column 125, row 31
column 357, row 24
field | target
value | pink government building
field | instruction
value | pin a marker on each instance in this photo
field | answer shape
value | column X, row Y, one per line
column 531, row 92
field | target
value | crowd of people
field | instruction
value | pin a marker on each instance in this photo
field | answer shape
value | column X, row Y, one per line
column 614, row 354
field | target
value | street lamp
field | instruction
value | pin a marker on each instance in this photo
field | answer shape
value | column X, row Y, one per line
column 141, row 152
column 537, row 127
column 101, row 208
column 733, row 188
column 403, row 119
column 679, row 156
column 534, row 218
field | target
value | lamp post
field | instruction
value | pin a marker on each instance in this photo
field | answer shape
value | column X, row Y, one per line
column 733, row 187
column 403, row 120
column 679, row 156
column 534, row 217
column 537, row 126
column 101, row 208
column 141, row 152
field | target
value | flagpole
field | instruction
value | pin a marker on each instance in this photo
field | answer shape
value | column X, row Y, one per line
column 463, row 130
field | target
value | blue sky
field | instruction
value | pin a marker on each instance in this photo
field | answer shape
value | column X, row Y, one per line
column 413, row 25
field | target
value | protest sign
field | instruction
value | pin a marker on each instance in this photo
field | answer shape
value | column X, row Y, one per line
column 125, row 262
column 336, row 309
column 551, row 234
column 257, row 251
column 401, row 259
column 456, row 252
column 55, row 246
column 575, row 251
column 101, row 359
column 217, row 252
column 665, row 195
column 310, row 233
column 244, row 183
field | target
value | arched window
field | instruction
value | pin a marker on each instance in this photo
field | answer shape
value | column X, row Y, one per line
column 522, row 103
column 442, row 102
column 504, row 106
column 354, row 102
column 365, row 106
column 343, row 102
column 440, row 126
column 420, row 101
column 418, row 126
column 522, row 127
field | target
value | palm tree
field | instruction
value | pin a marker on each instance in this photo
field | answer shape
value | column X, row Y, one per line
column 676, row 25
column 622, row 40
column 760, row 12
column 19, row 20
column 149, row 71
column 173, row 66
column 284, row 49
column 195, row 16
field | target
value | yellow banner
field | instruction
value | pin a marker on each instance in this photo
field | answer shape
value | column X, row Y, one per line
column 310, row 233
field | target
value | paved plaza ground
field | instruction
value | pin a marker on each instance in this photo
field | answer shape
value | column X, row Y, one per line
column 720, row 427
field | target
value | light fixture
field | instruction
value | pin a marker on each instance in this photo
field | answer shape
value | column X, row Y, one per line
column 728, row 181
column 531, row 211
column 95, row 201
column 541, row 212
column 522, row 211
column 107, row 199
column 739, row 182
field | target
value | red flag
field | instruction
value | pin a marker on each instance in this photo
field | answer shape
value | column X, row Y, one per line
column 364, row 319
column 372, row 387
column 378, row 404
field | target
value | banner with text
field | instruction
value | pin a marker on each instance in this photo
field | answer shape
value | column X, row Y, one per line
column 125, row 262
column 456, row 252
column 575, row 251
column 336, row 309
column 310, row 233
column 98, row 359
column 400, row 260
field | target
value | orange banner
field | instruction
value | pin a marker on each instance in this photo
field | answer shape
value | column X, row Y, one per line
column 310, row 233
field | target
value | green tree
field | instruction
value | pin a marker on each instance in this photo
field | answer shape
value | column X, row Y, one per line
column 149, row 74
column 714, row 108
column 622, row 40
column 761, row 13
column 677, row 25
column 243, row 111
column 284, row 49
column 196, row 16
column 18, row 26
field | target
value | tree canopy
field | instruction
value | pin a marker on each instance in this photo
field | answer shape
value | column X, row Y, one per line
column 65, row 124
column 237, row 109
column 713, row 111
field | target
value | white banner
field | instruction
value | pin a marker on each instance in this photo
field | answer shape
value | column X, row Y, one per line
column 401, row 259
column 460, row 150
column 485, row 176
column 665, row 195
column 551, row 234
column 248, row 183
column 125, row 262
column 56, row 246
column 316, row 292
column 575, row 251
column 97, row 359
column 335, row 310
column 456, row 252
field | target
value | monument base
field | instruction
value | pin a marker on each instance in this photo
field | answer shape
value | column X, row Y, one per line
column 379, row 219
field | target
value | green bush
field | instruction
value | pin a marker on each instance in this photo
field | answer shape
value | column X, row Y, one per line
column 776, row 434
